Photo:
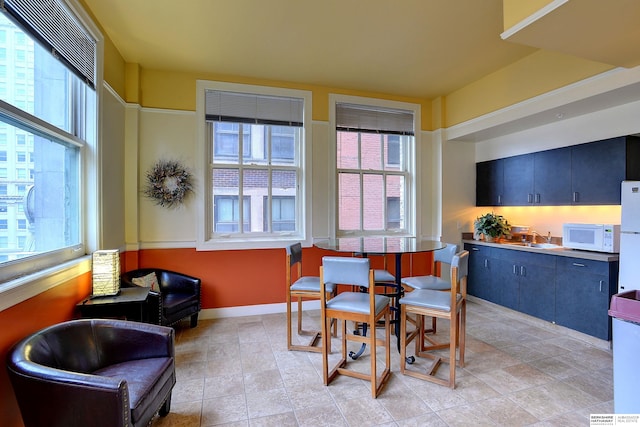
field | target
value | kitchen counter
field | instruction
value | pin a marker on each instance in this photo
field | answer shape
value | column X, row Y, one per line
column 565, row 252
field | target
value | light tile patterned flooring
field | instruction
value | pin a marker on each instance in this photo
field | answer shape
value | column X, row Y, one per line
column 518, row 371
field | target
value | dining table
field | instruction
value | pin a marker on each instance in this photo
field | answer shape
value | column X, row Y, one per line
column 383, row 245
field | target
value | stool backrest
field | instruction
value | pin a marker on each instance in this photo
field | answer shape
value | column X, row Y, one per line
column 459, row 272
column 445, row 255
column 294, row 253
column 346, row 271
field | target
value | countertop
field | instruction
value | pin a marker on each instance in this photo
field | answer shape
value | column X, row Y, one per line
column 572, row 253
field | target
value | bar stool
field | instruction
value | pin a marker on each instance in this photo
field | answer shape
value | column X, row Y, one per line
column 363, row 307
column 445, row 305
column 303, row 287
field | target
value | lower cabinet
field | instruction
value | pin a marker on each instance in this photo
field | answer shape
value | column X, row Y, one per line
column 583, row 293
column 572, row 292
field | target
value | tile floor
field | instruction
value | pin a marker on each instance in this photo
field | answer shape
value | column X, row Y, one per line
column 518, row 372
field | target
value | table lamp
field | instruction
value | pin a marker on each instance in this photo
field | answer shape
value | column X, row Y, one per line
column 106, row 272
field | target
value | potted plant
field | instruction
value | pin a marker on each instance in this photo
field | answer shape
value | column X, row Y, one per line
column 492, row 226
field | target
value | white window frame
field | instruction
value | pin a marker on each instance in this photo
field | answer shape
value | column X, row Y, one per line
column 412, row 212
column 48, row 270
column 205, row 239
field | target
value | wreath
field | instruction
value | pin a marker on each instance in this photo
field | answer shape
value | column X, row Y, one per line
column 168, row 183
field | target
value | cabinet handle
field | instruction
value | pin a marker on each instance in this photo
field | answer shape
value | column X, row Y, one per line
column 515, row 271
column 523, row 271
column 575, row 196
column 499, row 199
column 577, row 264
column 529, row 198
column 486, row 263
column 601, row 283
column 475, row 249
column 537, row 197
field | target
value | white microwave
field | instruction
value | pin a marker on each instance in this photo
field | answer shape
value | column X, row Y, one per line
column 592, row 237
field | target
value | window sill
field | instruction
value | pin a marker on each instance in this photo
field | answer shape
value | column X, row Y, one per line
column 221, row 244
column 18, row 290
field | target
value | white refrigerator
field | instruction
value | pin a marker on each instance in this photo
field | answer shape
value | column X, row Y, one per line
column 629, row 275
column 626, row 332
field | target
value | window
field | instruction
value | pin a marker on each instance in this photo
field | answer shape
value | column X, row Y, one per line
column 48, row 116
column 227, row 214
column 3, row 156
column 283, row 212
column 3, row 207
column 4, row 225
column 374, row 166
column 259, row 148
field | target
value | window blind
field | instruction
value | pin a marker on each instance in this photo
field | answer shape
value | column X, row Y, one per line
column 53, row 25
column 238, row 107
column 363, row 118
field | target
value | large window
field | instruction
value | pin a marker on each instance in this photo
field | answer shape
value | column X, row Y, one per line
column 374, row 146
column 47, row 118
column 257, row 165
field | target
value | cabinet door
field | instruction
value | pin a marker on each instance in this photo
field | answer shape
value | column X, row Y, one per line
column 506, row 277
column 518, row 180
column 537, row 290
column 597, row 169
column 479, row 281
column 582, row 297
column 489, row 183
column 552, row 177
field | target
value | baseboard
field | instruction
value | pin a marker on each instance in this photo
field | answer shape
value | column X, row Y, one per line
column 253, row 310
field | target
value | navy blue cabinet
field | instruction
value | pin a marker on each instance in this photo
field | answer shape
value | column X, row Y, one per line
column 552, row 177
column 480, row 282
column 583, row 292
column 572, row 292
column 489, row 179
column 518, row 180
column 584, row 174
column 598, row 168
column 528, row 282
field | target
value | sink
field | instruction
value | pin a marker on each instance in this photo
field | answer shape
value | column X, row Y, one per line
column 545, row 246
column 535, row 245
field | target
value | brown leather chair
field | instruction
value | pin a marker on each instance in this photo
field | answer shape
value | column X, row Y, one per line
column 94, row 372
column 178, row 297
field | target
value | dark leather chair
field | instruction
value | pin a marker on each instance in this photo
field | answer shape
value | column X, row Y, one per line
column 94, row 372
column 179, row 296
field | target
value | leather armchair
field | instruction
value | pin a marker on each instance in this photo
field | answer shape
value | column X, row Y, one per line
column 179, row 296
column 94, row 372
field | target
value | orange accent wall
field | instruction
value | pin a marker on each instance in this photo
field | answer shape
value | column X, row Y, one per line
column 249, row 277
column 53, row 306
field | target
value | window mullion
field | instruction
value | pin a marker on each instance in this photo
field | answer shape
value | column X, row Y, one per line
column 240, row 178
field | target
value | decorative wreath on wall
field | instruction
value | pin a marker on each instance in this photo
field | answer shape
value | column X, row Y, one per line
column 168, row 183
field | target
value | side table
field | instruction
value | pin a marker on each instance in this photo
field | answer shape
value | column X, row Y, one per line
column 128, row 304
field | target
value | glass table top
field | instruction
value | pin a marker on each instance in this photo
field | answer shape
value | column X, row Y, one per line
column 380, row 245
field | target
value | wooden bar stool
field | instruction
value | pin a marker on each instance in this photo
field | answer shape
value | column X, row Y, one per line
column 301, row 287
column 445, row 305
column 362, row 307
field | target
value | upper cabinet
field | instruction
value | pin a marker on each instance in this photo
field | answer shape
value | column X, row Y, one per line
column 585, row 174
column 489, row 178
column 598, row 168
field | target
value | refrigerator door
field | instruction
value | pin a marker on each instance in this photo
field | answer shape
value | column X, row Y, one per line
column 629, row 275
column 630, row 206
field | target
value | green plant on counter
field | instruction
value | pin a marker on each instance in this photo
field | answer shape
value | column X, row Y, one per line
column 492, row 225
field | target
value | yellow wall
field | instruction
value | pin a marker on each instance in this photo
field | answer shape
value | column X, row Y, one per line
column 534, row 75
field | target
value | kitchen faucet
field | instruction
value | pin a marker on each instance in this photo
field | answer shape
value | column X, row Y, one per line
column 535, row 233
